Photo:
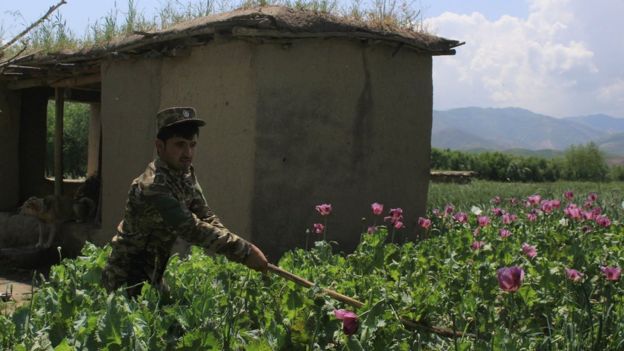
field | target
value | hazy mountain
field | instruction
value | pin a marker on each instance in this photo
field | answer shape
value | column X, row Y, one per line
column 612, row 144
column 457, row 139
column 516, row 128
column 601, row 122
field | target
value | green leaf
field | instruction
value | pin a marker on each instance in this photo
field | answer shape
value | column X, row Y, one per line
column 353, row 344
column 63, row 346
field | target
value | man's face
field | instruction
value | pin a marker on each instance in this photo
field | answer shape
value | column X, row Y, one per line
column 177, row 152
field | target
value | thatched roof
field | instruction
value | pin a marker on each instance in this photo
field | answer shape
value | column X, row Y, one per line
column 274, row 22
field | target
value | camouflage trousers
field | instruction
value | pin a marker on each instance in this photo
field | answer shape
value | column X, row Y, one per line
column 131, row 268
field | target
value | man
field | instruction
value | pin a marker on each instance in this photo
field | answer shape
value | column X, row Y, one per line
column 166, row 202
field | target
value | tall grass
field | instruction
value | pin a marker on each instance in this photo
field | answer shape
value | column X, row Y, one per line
column 119, row 22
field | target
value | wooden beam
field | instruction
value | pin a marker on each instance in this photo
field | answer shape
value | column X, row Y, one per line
column 263, row 33
column 55, row 82
column 58, row 141
column 76, row 81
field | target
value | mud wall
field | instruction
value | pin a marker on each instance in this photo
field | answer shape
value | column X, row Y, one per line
column 217, row 79
column 130, row 99
column 340, row 122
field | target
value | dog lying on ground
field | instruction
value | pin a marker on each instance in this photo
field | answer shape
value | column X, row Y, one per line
column 52, row 211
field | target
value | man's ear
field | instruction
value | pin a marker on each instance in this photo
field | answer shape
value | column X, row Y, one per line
column 160, row 146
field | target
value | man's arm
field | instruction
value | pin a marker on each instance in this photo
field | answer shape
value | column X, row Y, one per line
column 207, row 232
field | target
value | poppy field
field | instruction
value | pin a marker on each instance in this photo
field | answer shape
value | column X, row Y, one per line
column 540, row 271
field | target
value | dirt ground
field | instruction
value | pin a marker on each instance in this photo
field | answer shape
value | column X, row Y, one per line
column 17, row 283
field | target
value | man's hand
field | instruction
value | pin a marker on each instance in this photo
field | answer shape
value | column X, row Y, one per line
column 256, row 260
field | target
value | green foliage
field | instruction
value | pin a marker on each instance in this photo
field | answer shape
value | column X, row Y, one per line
column 497, row 166
column 582, row 163
column 441, row 281
column 585, row 162
column 75, row 139
column 616, row 172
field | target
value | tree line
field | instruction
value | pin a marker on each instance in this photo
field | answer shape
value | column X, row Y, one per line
column 578, row 162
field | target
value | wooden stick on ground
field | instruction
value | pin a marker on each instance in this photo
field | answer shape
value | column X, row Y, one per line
column 357, row 304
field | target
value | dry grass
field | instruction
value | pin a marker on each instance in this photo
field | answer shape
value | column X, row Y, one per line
column 54, row 34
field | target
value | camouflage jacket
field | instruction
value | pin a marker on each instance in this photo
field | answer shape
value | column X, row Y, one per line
column 163, row 204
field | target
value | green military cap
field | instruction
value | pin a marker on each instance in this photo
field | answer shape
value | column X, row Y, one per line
column 176, row 115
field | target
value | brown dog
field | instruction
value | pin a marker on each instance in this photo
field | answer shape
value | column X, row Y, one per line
column 52, row 211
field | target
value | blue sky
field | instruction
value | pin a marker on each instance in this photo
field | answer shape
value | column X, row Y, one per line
column 556, row 57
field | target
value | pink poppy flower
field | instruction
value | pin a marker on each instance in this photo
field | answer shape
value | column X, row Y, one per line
column 529, row 250
column 324, row 209
column 504, row 233
column 555, row 203
column 592, row 197
column 532, row 216
column 436, row 212
column 547, row 206
column 603, row 221
column 611, row 273
column 534, row 199
column 572, row 211
column 508, row 218
column 573, row 275
column 398, row 225
column 461, row 217
column 377, row 208
column 477, row 245
column 497, row 212
column 510, row 278
column 496, row 200
column 349, row 321
column 483, row 221
column 448, row 209
column 318, row 228
column 596, row 211
column 424, row 222
column 588, row 215
column 568, row 195
column 396, row 214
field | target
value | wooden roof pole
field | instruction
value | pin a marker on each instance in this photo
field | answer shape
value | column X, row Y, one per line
column 58, row 141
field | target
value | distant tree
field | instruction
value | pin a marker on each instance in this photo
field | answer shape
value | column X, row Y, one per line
column 616, row 173
column 75, row 139
column 585, row 162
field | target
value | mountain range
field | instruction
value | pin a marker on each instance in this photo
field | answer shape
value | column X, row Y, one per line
column 517, row 129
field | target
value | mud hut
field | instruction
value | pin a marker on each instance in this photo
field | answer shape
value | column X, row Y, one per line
column 302, row 108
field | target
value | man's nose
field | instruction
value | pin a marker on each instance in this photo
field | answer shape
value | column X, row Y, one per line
column 188, row 151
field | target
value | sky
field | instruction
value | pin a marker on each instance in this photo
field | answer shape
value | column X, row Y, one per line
column 556, row 57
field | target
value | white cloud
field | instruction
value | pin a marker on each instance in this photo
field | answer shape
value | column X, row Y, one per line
column 613, row 92
column 557, row 61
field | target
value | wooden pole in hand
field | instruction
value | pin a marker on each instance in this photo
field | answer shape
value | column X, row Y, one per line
column 357, row 304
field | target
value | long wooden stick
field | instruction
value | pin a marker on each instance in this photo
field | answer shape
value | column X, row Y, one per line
column 357, row 304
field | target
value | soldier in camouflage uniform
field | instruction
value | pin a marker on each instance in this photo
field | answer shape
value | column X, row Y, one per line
column 165, row 202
